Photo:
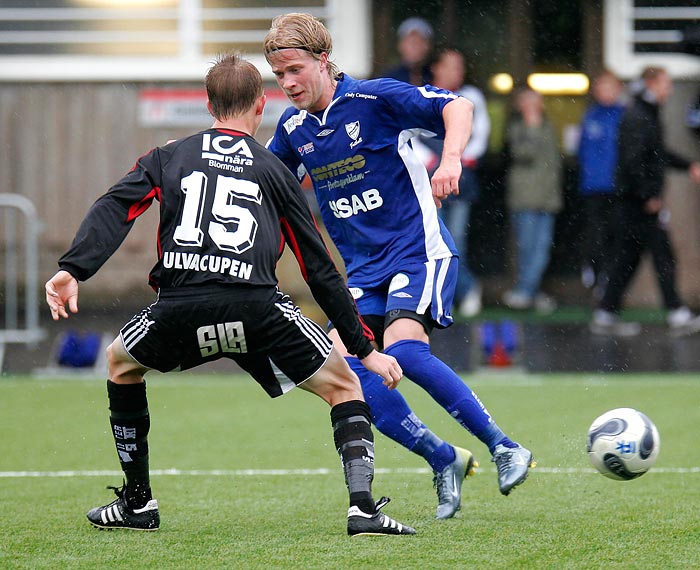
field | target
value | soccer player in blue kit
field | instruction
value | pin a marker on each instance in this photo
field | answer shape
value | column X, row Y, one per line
column 353, row 137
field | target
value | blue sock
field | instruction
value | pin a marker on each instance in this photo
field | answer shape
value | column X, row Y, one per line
column 448, row 390
column 392, row 417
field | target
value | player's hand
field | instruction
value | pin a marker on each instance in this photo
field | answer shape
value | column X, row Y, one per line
column 384, row 365
column 445, row 180
column 62, row 290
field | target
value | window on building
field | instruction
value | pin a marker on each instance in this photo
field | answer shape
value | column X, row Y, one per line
column 107, row 40
column 639, row 33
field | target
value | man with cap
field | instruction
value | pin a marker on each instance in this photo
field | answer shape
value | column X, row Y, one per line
column 415, row 42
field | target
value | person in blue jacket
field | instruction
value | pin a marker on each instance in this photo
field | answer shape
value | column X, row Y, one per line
column 643, row 218
column 353, row 137
column 597, row 159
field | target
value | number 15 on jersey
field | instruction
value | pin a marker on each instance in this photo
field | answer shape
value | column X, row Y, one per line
column 230, row 226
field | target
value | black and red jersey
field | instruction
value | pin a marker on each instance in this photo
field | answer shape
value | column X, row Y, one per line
column 227, row 205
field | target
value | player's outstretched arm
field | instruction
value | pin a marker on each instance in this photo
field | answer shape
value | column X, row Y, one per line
column 384, row 365
column 62, row 289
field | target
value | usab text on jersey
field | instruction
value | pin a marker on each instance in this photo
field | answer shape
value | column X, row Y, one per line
column 373, row 192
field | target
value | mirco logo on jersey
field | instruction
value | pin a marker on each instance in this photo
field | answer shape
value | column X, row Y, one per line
column 222, row 152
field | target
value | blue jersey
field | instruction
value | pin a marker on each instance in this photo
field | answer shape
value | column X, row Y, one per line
column 597, row 153
column 373, row 191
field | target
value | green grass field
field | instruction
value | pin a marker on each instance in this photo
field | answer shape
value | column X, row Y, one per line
column 230, row 479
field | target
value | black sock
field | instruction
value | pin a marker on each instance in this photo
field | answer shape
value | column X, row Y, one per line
column 130, row 425
column 352, row 433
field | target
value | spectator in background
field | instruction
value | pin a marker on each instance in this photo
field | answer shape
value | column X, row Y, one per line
column 415, row 45
column 643, row 219
column 534, row 197
column 448, row 73
column 597, row 158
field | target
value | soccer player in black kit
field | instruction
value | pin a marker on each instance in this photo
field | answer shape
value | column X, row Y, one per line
column 227, row 206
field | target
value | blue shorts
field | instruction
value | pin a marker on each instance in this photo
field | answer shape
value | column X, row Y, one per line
column 425, row 289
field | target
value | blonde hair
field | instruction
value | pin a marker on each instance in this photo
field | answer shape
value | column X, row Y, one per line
column 300, row 31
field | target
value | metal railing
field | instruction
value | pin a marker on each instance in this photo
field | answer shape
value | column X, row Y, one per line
column 21, row 320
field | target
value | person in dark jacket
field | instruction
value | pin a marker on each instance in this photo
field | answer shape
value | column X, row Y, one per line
column 225, row 204
column 643, row 220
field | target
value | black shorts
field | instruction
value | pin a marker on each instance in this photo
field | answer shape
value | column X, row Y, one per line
column 260, row 328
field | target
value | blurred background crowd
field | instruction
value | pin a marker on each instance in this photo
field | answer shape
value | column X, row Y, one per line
column 542, row 221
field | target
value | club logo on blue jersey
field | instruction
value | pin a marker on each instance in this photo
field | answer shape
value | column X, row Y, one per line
column 307, row 148
column 353, row 130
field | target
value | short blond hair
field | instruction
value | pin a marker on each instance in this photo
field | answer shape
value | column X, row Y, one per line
column 300, row 31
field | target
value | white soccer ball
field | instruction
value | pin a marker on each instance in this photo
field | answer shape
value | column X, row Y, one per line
column 623, row 444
